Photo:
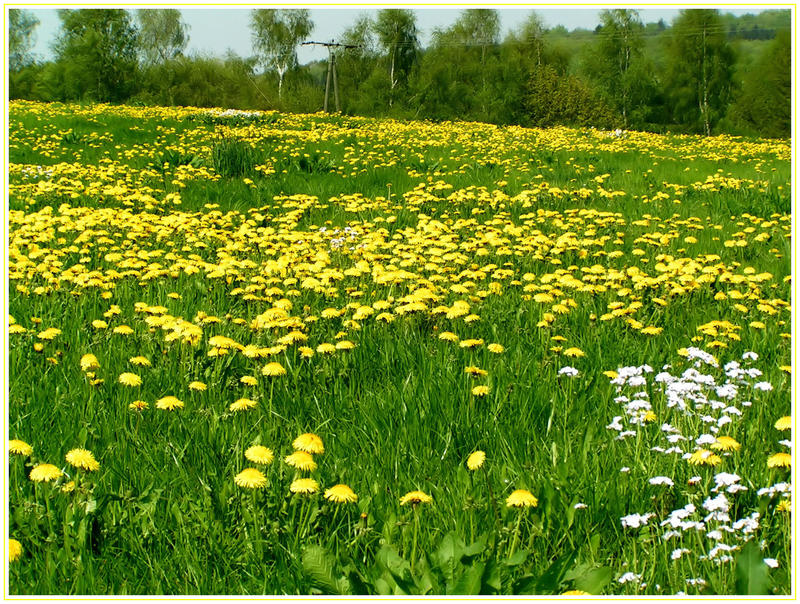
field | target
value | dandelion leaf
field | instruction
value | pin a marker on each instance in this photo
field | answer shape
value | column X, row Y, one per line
column 318, row 564
column 469, row 583
column 589, row 578
column 752, row 575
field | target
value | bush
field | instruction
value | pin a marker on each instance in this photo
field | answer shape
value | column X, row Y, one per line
column 233, row 158
column 555, row 99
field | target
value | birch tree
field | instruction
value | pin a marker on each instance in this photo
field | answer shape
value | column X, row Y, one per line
column 276, row 35
column 699, row 68
column 397, row 35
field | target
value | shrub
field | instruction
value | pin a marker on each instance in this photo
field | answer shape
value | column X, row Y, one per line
column 232, row 158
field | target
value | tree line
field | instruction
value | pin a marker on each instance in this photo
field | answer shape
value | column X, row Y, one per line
column 705, row 73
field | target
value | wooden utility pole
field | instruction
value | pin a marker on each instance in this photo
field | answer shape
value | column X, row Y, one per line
column 331, row 70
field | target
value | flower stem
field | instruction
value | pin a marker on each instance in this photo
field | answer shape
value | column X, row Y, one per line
column 414, row 540
column 256, row 528
column 515, row 540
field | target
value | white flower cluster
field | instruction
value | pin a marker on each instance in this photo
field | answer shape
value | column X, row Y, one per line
column 339, row 237
column 31, row 172
column 703, row 403
column 568, row 371
column 234, row 113
column 635, row 521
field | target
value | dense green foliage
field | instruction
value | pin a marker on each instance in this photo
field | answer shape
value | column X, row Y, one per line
column 705, row 73
column 162, row 34
column 96, row 54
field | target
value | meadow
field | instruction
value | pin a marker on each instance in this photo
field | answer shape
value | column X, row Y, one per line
column 265, row 353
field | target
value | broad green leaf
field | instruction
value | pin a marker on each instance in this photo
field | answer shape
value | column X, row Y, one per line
column 470, row 581
column 752, row 575
column 550, row 580
column 318, row 564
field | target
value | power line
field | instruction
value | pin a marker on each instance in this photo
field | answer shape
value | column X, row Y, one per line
column 595, row 35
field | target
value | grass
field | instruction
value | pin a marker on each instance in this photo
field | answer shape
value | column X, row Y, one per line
column 410, row 220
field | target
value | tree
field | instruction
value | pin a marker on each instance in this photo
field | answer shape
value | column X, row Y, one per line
column 162, row 34
column 276, row 34
column 765, row 103
column 618, row 56
column 97, row 51
column 530, row 38
column 355, row 63
column 699, row 68
column 397, row 35
column 21, row 28
column 477, row 27
column 456, row 73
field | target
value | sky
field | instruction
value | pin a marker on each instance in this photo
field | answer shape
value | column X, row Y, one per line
column 215, row 30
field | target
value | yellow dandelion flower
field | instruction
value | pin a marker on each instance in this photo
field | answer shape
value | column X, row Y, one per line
column 123, row 330
column 138, row 405
column 651, row 330
column 779, row 460
column 415, row 498
column 68, row 487
column 649, row 416
column 89, row 362
column 301, row 460
column 197, row 386
column 574, row 352
column 273, row 370
column 480, row 390
column 242, row 404
column 704, row 457
column 785, row 505
column 49, row 333
column 129, row 379
column 14, row 550
column 726, row 443
column 260, row 455
column 786, row 369
column 250, row 478
column 784, row 423
column 310, row 443
column 341, row 493
column 472, row 370
column 577, row 592
column 521, row 498
column 44, row 472
column 140, row 361
column 612, row 375
column 304, row 486
column 326, row 348
column 82, row 459
column 475, row 460
column 248, row 380
column 495, row 348
column 470, row 343
column 19, row 447
column 169, row 403
column 448, row 336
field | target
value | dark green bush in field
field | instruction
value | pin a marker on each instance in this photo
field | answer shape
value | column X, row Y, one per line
column 232, row 158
